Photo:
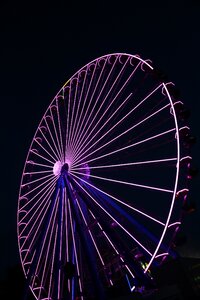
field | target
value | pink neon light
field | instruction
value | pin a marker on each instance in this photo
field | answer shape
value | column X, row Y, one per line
column 127, row 267
column 122, row 202
column 45, row 237
column 125, row 230
column 129, row 146
column 104, row 233
column 52, row 264
column 34, row 151
column 44, row 201
column 108, row 239
column 68, row 109
column 115, row 96
column 133, row 109
column 83, row 130
column 72, row 116
column 77, row 111
column 52, row 138
column 59, row 126
column 74, row 243
column 162, row 254
column 40, row 191
column 37, row 164
column 43, row 135
column 81, row 126
column 119, row 74
column 36, row 232
column 36, row 180
column 128, row 183
column 56, row 133
column 38, row 172
column 36, row 140
column 66, row 231
column 75, row 128
column 183, row 192
column 84, row 144
column 47, row 254
column 95, row 245
column 120, row 135
column 60, row 250
column 174, row 224
column 37, row 187
column 175, row 184
column 128, row 164
column 81, row 138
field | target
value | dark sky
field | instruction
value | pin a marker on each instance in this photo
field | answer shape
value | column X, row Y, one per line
column 43, row 46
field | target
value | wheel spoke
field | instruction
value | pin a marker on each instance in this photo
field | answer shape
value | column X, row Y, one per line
column 90, row 233
column 52, row 137
column 127, row 183
column 52, row 263
column 41, row 156
column 56, row 130
column 119, row 224
column 118, row 200
column 36, row 180
column 94, row 105
column 127, row 147
column 75, row 247
column 44, row 137
column 40, row 145
column 59, row 128
column 38, row 206
column 37, row 164
column 111, row 243
column 53, row 180
column 72, row 115
column 47, row 256
column 155, row 161
column 50, row 228
column 119, row 92
column 38, row 187
column 119, row 122
column 84, row 144
column 118, row 136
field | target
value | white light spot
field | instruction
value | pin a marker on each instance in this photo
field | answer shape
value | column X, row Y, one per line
column 57, row 168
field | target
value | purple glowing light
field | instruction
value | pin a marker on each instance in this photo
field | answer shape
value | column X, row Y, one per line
column 128, row 164
column 127, row 147
column 90, row 233
column 118, row 200
column 59, row 154
column 121, row 89
column 128, row 183
column 39, row 186
column 75, row 247
column 125, row 230
column 116, row 124
column 48, row 143
column 176, row 180
column 113, row 246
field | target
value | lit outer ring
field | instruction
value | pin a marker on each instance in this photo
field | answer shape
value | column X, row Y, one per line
column 176, row 181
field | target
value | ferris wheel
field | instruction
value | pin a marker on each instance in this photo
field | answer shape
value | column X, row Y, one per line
column 104, row 182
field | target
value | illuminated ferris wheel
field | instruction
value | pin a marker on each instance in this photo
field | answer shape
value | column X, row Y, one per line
column 103, row 183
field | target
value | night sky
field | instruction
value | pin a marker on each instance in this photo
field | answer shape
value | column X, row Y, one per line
column 43, row 46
